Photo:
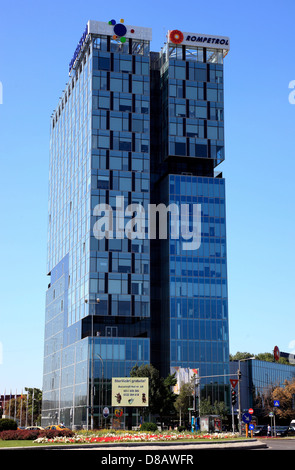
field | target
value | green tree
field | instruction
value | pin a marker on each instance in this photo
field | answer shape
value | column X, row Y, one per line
column 220, row 409
column 184, row 400
column 168, row 395
column 266, row 356
column 286, row 397
column 24, row 405
column 161, row 398
column 239, row 356
column 205, row 407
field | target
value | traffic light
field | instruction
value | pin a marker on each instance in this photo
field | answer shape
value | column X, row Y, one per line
column 233, row 397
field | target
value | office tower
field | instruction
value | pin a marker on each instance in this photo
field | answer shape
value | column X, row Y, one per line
column 133, row 128
column 189, row 285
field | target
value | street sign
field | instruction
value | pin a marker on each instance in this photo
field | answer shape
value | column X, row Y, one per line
column 233, row 382
column 246, row 417
column 118, row 412
column 276, row 403
column 106, row 412
column 251, row 427
column 251, row 411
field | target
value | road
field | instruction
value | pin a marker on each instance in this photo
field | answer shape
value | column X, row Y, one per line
column 279, row 444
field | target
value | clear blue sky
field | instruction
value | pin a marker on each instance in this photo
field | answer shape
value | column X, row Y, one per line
column 37, row 42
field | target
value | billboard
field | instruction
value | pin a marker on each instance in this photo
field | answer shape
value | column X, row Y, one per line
column 183, row 375
column 133, row 391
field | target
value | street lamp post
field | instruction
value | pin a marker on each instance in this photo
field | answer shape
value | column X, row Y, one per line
column 92, row 370
column 102, row 384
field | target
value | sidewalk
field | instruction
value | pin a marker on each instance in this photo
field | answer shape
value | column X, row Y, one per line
column 250, row 444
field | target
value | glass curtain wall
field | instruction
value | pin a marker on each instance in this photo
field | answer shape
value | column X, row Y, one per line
column 193, row 298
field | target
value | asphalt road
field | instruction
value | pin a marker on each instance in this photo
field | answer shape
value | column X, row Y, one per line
column 279, row 444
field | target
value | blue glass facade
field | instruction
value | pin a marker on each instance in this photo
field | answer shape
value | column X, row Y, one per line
column 99, row 307
column 198, row 281
column 194, row 286
column 193, row 296
column 258, row 378
column 146, row 128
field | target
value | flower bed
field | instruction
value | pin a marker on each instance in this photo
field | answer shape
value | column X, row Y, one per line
column 112, row 437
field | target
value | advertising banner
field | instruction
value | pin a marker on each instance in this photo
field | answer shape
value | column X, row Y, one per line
column 133, row 391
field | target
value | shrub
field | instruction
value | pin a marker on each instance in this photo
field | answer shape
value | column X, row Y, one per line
column 52, row 433
column 7, row 435
column 149, row 427
column 26, row 434
column 18, row 435
column 32, row 434
column 7, row 424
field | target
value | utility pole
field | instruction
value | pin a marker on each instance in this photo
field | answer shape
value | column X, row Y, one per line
column 239, row 398
column 233, row 401
column 239, row 390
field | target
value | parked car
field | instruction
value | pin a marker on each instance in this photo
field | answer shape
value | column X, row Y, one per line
column 291, row 431
column 260, row 430
column 282, row 431
column 34, row 427
column 58, row 427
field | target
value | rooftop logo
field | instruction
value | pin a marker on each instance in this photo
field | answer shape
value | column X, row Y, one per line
column 140, row 225
column 78, row 48
column 176, row 36
column 120, row 30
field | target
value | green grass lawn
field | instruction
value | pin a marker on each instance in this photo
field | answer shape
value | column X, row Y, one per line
column 30, row 443
column 23, row 443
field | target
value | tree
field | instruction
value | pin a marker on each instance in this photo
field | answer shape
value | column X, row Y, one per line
column 205, row 407
column 268, row 357
column 286, row 397
column 161, row 398
column 34, row 403
column 184, row 400
column 220, row 409
column 169, row 396
column 239, row 356
column 21, row 407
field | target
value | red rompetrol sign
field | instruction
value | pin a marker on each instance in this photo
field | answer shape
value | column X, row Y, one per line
column 233, row 382
column 251, row 411
column 276, row 353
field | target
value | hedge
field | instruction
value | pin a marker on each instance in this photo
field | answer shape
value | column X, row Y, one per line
column 7, row 424
column 149, row 427
column 32, row 434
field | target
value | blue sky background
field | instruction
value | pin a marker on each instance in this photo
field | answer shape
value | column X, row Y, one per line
column 38, row 40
